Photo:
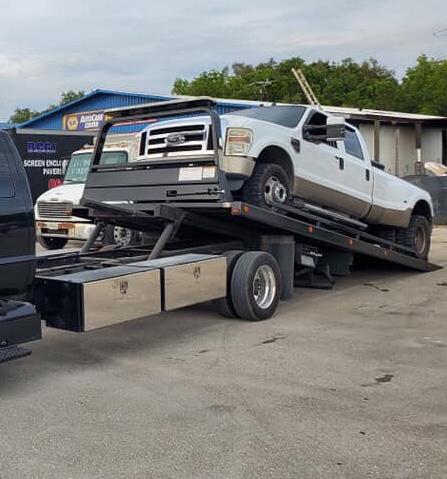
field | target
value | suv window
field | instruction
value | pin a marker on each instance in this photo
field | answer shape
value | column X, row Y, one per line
column 352, row 144
column 6, row 184
column 288, row 116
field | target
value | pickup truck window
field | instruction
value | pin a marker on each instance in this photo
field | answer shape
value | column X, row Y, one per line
column 288, row 116
column 79, row 165
column 6, row 184
column 352, row 144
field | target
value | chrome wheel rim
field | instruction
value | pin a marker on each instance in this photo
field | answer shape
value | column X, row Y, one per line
column 121, row 236
column 264, row 286
column 275, row 191
column 420, row 239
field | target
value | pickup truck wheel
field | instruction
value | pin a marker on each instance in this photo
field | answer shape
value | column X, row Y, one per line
column 224, row 306
column 268, row 183
column 256, row 286
column 52, row 242
column 417, row 236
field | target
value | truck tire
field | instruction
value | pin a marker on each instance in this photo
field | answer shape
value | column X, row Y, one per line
column 120, row 237
column 268, row 182
column 416, row 236
column 224, row 306
column 256, row 286
column 52, row 242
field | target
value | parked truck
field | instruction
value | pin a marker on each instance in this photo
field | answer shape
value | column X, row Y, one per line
column 276, row 153
column 56, row 223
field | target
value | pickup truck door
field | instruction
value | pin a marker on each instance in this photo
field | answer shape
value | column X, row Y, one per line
column 357, row 178
column 319, row 167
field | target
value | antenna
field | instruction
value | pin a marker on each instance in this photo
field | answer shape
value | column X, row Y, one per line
column 306, row 88
column 263, row 85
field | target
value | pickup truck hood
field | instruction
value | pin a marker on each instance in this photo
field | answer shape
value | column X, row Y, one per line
column 67, row 192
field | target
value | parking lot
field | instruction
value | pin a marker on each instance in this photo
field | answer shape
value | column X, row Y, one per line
column 346, row 383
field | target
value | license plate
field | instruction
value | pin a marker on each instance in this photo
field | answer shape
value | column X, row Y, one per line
column 56, row 226
column 197, row 173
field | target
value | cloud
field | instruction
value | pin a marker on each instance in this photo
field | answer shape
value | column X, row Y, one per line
column 54, row 45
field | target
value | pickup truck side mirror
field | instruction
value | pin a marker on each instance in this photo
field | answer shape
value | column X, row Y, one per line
column 333, row 130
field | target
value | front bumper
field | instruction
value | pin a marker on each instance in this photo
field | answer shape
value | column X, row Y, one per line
column 64, row 229
column 238, row 166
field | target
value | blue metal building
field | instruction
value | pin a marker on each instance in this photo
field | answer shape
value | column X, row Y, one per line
column 75, row 116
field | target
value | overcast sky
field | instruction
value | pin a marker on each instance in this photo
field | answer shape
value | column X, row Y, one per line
column 48, row 46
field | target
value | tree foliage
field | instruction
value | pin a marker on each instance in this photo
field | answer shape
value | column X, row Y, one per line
column 21, row 115
column 347, row 83
column 424, row 88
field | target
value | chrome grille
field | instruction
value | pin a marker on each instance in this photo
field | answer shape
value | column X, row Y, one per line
column 50, row 209
column 191, row 139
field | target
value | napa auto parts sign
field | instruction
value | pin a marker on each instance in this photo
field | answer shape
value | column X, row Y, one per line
column 92, row 120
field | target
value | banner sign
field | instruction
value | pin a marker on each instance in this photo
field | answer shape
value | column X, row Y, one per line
column 45, row 156
column 92, row 120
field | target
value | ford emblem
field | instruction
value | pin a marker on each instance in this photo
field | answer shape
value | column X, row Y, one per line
column 175, row 139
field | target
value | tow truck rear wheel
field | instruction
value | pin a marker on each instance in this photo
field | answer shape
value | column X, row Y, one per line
column 256, row 286
column 224, row 306
column 52, row 242
column 268, row 183
column 417, row 236
column 120, row 237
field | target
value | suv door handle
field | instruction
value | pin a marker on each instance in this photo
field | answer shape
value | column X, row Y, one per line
column 341, row 162
column 367, row 174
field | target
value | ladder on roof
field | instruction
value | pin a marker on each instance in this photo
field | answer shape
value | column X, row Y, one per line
column 307, row 89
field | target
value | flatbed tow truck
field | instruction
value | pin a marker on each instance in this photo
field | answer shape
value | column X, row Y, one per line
column 209, row 246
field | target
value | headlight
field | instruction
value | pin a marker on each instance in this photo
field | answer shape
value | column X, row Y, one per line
column 238, row 141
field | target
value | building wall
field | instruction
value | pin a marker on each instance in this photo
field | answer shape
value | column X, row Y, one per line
column 104, row 101
column 101, row 101
column 431, row 147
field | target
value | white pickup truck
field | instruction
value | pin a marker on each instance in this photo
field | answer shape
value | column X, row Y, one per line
column 274, row 153
column 55, row 223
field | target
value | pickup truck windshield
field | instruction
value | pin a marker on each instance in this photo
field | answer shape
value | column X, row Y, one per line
column 79, row 166
column 288, row 116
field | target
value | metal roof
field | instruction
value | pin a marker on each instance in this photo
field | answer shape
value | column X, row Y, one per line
column 367, row 114
column 89, row 96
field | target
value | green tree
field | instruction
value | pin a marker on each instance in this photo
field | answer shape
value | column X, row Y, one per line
column 21, row 115
column 424, row 87
column 346, row 83
column 66, row 97
column 70, row 95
